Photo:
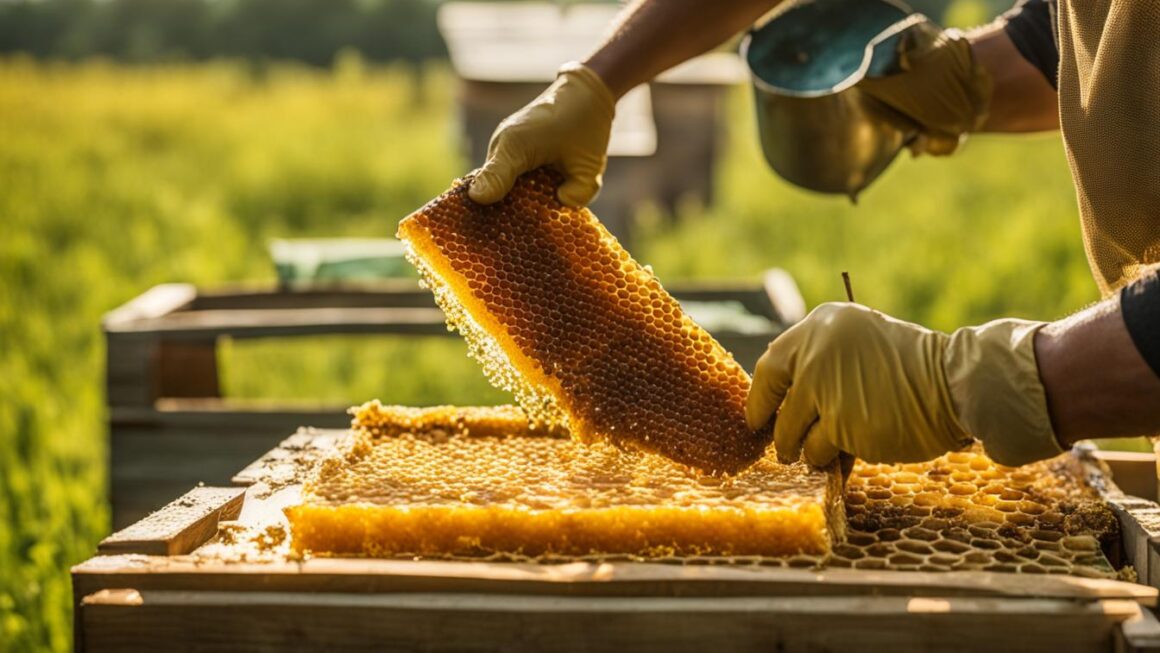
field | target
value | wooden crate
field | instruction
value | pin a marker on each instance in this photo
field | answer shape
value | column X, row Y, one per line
column 169, row 425
column 145, row 590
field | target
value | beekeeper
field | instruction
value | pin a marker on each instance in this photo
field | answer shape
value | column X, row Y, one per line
column 850, row 379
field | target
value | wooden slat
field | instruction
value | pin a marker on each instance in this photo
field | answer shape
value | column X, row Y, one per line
column 381, row 294
column 157, row 455
column 579, row 579
column 1140, row 633
column 131, row 620
column 783, row 293
column 196, row 457
column 287, row 459
column 179, row 527
column 129, row 370
column 150, row 466
column 187, row 369
column 1139, row 518
column 154, row 303
column 1140, row 527
column 259, row 323
column 254, row 323
column 209, row 413
column 1133, row 472
column 408, row 294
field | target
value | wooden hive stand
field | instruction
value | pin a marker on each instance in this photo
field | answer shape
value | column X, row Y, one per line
column 158, row 585
column 170, row 428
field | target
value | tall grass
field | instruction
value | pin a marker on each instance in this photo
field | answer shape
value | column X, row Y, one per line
column 113, row 179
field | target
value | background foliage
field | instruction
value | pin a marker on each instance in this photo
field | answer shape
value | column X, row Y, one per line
column 116, row 179
column 311, row 31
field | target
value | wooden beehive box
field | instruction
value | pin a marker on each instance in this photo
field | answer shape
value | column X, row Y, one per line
column 170, row 428
column 174, row 582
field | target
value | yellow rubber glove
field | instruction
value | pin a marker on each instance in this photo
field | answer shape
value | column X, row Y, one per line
column 941, row 90
column 850, row 379
column 567, row 127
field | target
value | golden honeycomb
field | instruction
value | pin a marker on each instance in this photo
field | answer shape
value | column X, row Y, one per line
column 559, row 314
column 470, row 482
column 963, row 511
column 435, row 492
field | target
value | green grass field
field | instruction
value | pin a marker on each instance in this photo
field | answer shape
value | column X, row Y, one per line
column 113, row 179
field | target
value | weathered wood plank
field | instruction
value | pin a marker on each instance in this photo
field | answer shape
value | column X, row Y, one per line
column 1140, row 633
column 131, row 620
column 179, row 527
column 187, row 369
column 1140, row 527
column 408, row 294
column 385, row 293
column 129, row 370
column 578, row 579
column 154, row 303
column 783, row 294
column 157, row 455
column 212, row 457
column 287, row 460
column 254, row 323
column 1139, row 518
column 214, row 413
column 151, row 466
column 1133, row 472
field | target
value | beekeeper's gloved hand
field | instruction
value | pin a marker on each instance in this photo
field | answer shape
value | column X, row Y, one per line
column 941, row 91
column 567, row 127
column 850, row 379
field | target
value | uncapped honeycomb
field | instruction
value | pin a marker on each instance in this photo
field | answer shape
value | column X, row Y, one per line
column 559, row 314
column 472, row 492
column 962, row 511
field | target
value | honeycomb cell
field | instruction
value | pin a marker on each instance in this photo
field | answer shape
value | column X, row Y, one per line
column 581, row 334
column 983, row 516
column 463, row 482
column 476, row 482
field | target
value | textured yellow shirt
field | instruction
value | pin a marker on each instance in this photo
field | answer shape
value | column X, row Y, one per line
column 1109, row 107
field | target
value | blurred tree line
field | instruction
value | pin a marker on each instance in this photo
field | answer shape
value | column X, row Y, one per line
column 313, row 31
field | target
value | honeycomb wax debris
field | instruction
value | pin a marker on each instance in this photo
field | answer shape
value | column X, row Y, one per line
column 436, row 492
column 559, row 314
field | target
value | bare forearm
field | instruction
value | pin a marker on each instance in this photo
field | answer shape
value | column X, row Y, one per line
column 652, row 36
column 1097, row 383
column 1022, row 100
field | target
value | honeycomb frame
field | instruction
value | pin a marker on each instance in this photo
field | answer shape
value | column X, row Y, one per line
column 1041, row 518
column 559, row 314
